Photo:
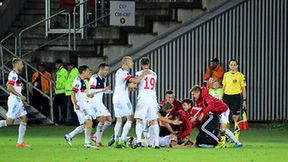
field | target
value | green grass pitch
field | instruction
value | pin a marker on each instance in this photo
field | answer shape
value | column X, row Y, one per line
column 260, row 145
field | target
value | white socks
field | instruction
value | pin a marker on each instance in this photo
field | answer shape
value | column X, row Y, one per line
column 154, row 132
column 106, row 125
column 3, row 123
column 76, row 131
column 117, row 130
column 126, row 129
column 139, row 129
column 87, row 135
column 99, row 132
column 22, row 130
column 231, row 135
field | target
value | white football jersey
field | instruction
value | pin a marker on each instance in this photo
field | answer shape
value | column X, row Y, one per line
column 14, row 80
column 79, row 87
column 97, row 84
column 121, row 93
column 147, row 85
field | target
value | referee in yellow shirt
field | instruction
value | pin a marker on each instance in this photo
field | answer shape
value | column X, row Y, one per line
column 234, row 90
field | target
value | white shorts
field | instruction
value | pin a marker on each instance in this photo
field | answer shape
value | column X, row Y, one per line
column 100, row 109
column 166, row 141
column 123, row 109
column 146, row 109
column 84, row 115
column 224, row 117
column 15, row 108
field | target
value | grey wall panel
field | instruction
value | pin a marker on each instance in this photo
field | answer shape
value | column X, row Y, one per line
column 254, row 32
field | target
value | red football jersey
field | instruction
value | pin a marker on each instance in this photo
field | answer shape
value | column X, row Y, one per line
column 210, row 103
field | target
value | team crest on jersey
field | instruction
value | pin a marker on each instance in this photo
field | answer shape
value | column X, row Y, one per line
column 235, row 81
column 77, row 85
column 14, row 78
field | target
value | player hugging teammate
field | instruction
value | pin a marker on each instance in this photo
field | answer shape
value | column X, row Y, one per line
column 168, row 124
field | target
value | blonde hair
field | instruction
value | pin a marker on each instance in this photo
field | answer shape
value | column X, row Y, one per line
column 15, row 60
column 125, row 59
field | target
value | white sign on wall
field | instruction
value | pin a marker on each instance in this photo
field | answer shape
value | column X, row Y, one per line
column 122, row 13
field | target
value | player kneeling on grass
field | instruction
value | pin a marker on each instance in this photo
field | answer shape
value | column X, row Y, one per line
column 216, row 106
column 98, row 86
column 81, row 107
column 15, row 102
column 208, row 132
column 167, row 124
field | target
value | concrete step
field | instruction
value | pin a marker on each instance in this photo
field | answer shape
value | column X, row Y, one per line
column 136, row 39
column 41, row 5
column 37, row 11
column 31, row 19
column 92, row 62
column 105, row 33
column 114, row 52
column 160, row 27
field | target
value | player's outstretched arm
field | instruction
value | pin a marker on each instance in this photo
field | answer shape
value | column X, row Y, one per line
column 138, row 79
column 12, row 90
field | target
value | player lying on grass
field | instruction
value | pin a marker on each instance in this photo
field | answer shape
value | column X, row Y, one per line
column 98, row 86
column 15, row 102
column 213, row 105
column 81, row 107
column 169, row 141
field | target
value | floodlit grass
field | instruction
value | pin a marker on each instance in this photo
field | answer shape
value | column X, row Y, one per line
column 260, row 145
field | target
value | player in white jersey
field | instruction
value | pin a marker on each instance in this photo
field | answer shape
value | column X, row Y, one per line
column 84, row 113
column 98, row 86
column 147, row 106
column 15, row 102
column 121, row 102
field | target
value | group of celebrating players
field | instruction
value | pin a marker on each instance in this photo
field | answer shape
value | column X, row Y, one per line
column 167, row 124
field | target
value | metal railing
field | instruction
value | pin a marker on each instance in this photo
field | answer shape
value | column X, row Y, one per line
column 37, row 23
column 5, row 69
column 74, row 22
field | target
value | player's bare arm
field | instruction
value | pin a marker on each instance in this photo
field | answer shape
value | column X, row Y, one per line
column 138, row 79
column 74, row 101
column 12, row 90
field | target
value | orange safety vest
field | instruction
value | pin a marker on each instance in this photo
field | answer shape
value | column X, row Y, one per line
column 45, row 85
column 216, row 75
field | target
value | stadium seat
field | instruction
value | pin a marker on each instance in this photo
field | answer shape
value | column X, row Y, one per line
column 67, row 5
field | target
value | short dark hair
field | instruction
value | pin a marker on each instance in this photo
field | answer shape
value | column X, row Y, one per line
column 83, row 68
column 102, row 65
column 58, row 61
column 188, row 101
column 216, row 60
column 196, row 88
column 71, row 64
column 167, row 106
column 233, row 60
column 15, row 60
column 145, row 61
column 176, row 115
column 169, row 92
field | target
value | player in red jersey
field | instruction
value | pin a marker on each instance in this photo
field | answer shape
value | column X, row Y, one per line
column 170, row 97
column 210, row 104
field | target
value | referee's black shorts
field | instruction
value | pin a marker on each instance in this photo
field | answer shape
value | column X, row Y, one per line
column 234, row 102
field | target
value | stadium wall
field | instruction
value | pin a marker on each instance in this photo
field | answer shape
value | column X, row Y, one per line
column 254, row 32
